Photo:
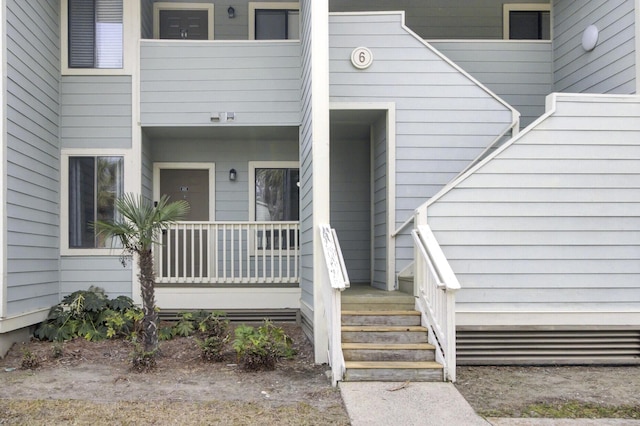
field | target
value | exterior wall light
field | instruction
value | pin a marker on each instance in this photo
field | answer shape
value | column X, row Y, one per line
column 590, row 38
column 232, row 12
column 233, row 175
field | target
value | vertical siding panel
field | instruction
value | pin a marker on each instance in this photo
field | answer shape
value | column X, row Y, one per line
column 32, row 155
column 610, row 67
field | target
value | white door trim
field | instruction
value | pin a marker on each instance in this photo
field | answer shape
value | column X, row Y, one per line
column 188, row 166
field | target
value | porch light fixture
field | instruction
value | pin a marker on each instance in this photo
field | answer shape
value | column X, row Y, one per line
column 233, row 175
column 232, row 12
column 590, row 38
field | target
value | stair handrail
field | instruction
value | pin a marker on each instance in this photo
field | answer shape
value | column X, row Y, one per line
column 404, row 225
column 435, row 289
column 331, row 293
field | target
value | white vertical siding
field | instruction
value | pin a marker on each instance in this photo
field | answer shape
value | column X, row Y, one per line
column 32, row 155
column 444, row 119
column 96, row 112
column 610, row 67
column 520, row 72
column 184, row 82
column 549, row 228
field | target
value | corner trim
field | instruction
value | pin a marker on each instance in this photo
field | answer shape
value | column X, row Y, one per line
column 23, row 320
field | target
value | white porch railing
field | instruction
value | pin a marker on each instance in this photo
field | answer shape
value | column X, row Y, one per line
column 338, row 282
column 435, row 288
column 229, row 253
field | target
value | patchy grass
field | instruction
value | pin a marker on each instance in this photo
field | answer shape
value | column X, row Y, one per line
column 568, row 410
column 67, row 412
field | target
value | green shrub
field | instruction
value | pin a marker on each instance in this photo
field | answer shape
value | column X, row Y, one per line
column 260, row 348
column 142, row 361
column 212, row 348
column 92, row 315
column 30, row 361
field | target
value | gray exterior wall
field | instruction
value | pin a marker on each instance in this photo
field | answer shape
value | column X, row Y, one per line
column 32, row 155
column 443, row 119
column 351, row 200
column 380, row 208
column 443, row 19
column 232, row 198
column 183, row 83
column 106, row 272
column 551, row 223
column 520, row 72
column 610, row 67
column 306, row 173
column 96, row 112
column 146, row 18
column 147, row 167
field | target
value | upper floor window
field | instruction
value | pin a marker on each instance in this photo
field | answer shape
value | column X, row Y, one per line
column 274, row 21
column 95, row 34
column 531, row 21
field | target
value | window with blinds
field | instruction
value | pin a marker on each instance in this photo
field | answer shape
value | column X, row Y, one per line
column 95, row 34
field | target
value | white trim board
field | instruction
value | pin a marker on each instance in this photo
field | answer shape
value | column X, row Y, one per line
column 157, row 7
column 227, row 298
column 188, row 166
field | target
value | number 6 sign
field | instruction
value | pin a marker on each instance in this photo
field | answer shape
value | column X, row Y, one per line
column 361, row 58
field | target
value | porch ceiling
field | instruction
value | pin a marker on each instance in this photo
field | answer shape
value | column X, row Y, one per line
column 353, row 124
column 223, row 132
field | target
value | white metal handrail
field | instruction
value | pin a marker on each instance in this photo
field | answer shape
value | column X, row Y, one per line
column 338, row 282
column 228, row 253
column 436, row 285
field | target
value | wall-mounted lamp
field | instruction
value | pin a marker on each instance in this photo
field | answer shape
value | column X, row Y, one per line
column 232, row 12
column 590, row 38
column 233, row 175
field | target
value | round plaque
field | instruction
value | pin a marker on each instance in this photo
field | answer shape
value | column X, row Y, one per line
column 361, row 58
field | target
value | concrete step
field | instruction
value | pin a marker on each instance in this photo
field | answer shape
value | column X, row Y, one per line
column 393, row 371
column 399, row 317
column 383, row 334
column 388, row 352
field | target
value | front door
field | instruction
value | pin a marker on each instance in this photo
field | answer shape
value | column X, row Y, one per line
column 185, row 251
column 184, row 24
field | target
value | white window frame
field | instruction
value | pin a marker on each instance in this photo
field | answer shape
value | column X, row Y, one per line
column 211, row 167
column 129, row 42
column 157, row 7
column 267, row 5
column 64, row 197
column 531, row 7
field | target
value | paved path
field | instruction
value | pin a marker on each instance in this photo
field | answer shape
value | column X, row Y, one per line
column 432, row 404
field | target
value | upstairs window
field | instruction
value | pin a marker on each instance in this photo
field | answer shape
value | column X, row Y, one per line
column 95, row 34
column 527, row 21
column 274, row 21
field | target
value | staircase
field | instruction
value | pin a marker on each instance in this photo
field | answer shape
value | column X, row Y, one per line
column 382, row 339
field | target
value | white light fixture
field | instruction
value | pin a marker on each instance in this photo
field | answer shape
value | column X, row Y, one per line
column 233, row 175
column 590, row 38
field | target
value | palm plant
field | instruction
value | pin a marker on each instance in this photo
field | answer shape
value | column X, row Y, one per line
column 137, row 230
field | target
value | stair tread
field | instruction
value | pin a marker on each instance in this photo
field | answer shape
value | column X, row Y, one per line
column 384, row 328
column 381, row 313
column 390, row 346
column 392, row 364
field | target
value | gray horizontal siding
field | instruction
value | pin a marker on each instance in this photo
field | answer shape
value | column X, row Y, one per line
column 520, row 72
column 32, row 155
column 444, row 120
column 610, row 67
column 480, row 19
column 183, row 83
column 96, row 112
column 552, row 222
column 106, row 272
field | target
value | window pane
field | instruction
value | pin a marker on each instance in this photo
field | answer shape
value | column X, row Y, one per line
column 94, row 185
column 529, row 25
column 95, row 34
column 271, row 24
column 277, row 195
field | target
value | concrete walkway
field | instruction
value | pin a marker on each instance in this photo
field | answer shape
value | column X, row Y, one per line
column 432, row 404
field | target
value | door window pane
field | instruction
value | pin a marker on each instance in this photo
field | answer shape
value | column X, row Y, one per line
column 277, row 195
column 94, row 185
column 277, row 24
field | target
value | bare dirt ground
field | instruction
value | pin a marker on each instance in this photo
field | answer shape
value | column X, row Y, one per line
column 90, row 383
